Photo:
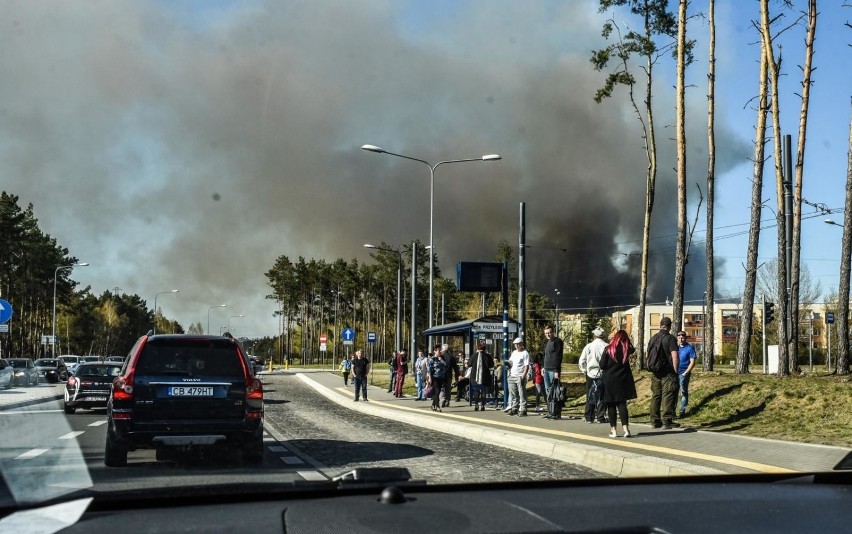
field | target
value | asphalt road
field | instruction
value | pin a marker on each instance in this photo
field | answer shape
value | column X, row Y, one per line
column 308, row 438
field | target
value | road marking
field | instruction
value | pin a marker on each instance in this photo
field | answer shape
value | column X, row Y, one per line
column 312, row 475
column 606, row 441
column 72, row 435
column 32, row 453
column 277, row 448
column 292, row 460
column 98, row 423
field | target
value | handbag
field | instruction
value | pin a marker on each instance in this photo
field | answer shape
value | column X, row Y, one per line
column 428, row 391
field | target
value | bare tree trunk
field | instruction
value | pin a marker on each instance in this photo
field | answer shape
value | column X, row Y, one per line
column 780, row 214
column 709, row 294
column 680, row 125
column 845, row 257
column 797, row 191
column 747, row 313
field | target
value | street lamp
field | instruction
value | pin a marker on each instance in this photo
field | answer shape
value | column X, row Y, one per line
column 487, row 157
column 155, row 304
column 397, row 338
column 228, row 327
column 831, row 221
column 208, row 314
column 55, row 273
column 556, row 300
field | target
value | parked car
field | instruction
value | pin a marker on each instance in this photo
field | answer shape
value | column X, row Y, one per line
column 115, row 359
column 184, row 392
column 91, row 359
column 6, row 378
column 24, row 372
column 89, row 387
column 51, row 369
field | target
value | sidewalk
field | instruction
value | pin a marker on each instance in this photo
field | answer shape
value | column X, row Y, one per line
column 651, row 452
column 20, row 396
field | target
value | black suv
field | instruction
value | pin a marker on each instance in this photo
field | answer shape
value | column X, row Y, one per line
column 179, row 392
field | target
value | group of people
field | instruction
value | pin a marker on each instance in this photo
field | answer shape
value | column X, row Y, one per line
column 605, row 364
column 610, row 384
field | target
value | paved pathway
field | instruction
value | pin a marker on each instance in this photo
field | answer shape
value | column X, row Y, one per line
column 650, row 453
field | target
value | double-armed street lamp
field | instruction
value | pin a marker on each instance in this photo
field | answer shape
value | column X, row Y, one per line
column 55, row 274
column 208, row 314
column 397, row 338
column 487, row 157
column 155, row 304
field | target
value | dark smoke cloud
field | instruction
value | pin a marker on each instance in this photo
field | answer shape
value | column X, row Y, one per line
column 189, row 149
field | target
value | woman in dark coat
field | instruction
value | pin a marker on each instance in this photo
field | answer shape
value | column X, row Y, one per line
column 619, row 386
column 480, row 377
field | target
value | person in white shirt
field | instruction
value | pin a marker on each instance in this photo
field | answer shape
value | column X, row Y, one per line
column 590, row 365
column 519, row 363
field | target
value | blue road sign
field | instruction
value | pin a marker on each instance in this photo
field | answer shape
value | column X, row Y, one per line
column 5, row 311
column 348, row 334
column 829, row 317
column 371, row 337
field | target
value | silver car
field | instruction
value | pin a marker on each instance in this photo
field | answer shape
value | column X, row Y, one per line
column 5, row 374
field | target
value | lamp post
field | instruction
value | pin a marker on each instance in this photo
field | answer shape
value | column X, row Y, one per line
column 556, row 300
column 487, row 157
column 155, row 305
column 208, row 314
column 831, row 221
column 397, row 339
column 228, row 325
column 55, row 274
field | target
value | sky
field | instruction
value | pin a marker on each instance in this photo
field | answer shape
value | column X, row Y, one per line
column 187, row 145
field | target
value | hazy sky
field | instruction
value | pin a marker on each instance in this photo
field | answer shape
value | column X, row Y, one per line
column 187, row 145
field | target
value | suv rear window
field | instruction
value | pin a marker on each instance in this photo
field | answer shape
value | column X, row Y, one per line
column 190, row 358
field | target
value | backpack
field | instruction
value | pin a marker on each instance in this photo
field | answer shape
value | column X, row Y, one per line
column 656, row 361
column 347, row 365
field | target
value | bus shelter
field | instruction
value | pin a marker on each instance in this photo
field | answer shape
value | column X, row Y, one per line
column 489, row 330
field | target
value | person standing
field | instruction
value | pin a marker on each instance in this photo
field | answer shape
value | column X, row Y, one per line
column 664, row 382
column 617, row 377
column 360, row 368
column 463, row 383
column 438, row 371
column 480, row 377
column 553, row 348
column 686, row 362
column 452, row 374
column 400, row 370
column 345, row 368
column 538, row 380
column 421, row 373
column 392, row 368
column 590, row 360
column 519, row 363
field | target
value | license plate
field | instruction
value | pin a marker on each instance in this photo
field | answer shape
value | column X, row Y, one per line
column 93, row 399
column 190, row 391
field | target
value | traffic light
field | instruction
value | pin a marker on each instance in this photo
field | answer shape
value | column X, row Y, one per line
column 768, row 312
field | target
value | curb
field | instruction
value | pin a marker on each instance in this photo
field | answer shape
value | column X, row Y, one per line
column 608, row 461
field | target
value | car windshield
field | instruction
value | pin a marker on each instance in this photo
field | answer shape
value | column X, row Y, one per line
column 98, row 370
column 481, row 240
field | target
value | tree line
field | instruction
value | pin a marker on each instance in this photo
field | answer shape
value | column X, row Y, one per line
column 32, row 262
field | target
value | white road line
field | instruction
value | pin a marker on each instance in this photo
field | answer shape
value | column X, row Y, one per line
column 277, row 448
column 32, row 453
column 312, row 475
column 72, row 435
column 30, row 412
column 98, row 423
column 292, row 460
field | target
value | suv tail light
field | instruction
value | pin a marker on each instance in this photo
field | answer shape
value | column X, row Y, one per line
column 122, row 388
column 254, row 389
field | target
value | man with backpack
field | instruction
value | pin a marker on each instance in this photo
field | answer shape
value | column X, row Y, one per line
column 662, row 361
column 345, row 367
